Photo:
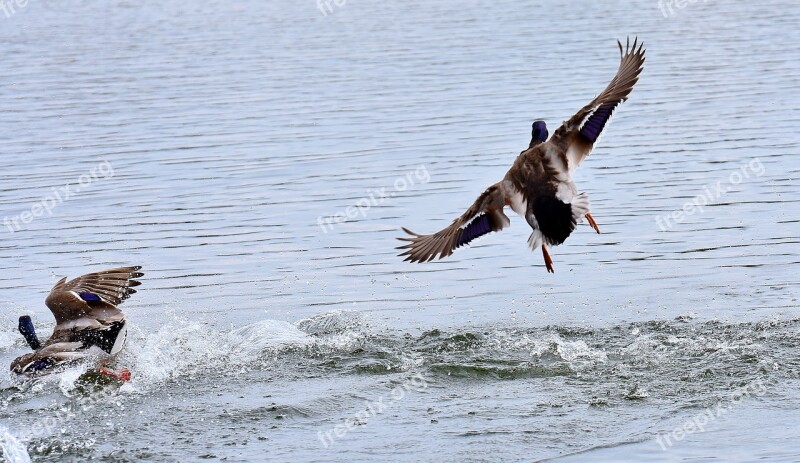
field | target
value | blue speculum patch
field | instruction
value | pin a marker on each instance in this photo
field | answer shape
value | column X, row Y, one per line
column 89, row 297
column 597, row 121
column 478, row 227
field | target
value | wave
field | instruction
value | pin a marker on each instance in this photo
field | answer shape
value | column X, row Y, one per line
column 341, row 343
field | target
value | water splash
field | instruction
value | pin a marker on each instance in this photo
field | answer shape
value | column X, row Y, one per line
column 186, row 348
column 14, row 451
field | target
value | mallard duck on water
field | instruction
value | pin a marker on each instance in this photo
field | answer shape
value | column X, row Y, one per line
column 88, row 323
column 539, row 185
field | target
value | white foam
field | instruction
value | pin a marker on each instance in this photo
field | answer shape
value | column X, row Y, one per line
column 67, row 379
column 570, row 351
column 184, row 348
column 7, row 340
column 266, row 334
column 14, row 450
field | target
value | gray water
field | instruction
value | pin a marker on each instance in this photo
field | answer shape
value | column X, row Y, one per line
column 213, row 138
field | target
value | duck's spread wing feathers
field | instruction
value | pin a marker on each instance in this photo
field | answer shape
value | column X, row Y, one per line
column 86, row 317
column 583, row 129
column 484, row 216
column 93, row 296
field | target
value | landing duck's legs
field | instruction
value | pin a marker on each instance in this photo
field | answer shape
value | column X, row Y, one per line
column 548, row 261
column 592, row 222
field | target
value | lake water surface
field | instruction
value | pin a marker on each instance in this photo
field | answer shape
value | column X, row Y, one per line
column 207, row 142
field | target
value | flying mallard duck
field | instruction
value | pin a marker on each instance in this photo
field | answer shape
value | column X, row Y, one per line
column 86, row 318
column 539, row 186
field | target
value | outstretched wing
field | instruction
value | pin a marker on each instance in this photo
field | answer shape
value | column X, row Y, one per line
column 94, row 295
column 579, row 133
column 484, row 216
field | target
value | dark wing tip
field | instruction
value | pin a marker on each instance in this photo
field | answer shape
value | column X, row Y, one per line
column 410, row 257
column 410, row 232
column 127, row 294
column 631, row 49
column 411, row 254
